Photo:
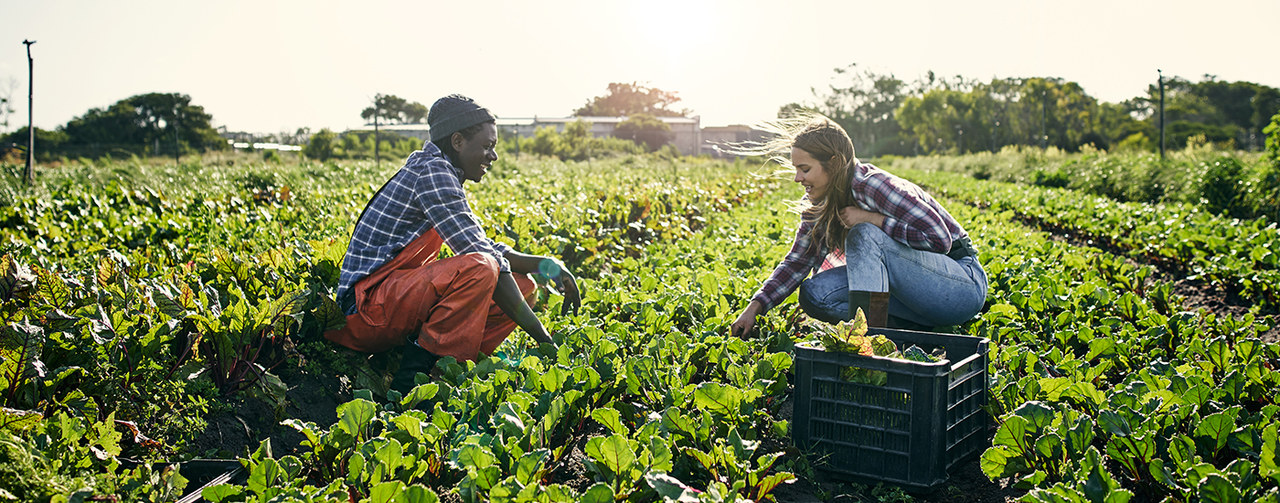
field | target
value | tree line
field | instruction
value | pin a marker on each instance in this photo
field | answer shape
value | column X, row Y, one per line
column 886, row 115
column 163, row 124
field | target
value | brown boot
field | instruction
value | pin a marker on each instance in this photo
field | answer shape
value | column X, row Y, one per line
column 875, row 306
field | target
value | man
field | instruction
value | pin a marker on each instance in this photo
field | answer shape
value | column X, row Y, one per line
column 394, row 289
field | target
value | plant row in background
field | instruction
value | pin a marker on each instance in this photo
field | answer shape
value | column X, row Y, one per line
column 1238, row 185
column 1237, row 255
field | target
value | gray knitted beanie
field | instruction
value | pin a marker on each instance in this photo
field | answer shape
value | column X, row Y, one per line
column 454, row 113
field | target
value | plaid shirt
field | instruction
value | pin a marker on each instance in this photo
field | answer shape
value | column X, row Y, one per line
column 912, row 217
column 425, row 194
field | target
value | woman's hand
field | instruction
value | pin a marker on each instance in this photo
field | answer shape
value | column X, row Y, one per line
column 853, row 215
column 746, row 321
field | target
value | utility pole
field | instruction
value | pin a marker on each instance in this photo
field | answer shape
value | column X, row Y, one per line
column 1044, row 119
column 1160, row 79
column 30, row 175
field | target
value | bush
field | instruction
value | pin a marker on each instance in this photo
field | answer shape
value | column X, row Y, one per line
column 576, row 143
column 1221, row 187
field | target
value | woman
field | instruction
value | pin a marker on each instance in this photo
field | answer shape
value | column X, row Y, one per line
column 908, row 263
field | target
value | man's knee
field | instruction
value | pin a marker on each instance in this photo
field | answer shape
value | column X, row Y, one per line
column 479, row 265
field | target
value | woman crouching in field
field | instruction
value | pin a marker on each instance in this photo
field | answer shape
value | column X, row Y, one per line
column 907, row 262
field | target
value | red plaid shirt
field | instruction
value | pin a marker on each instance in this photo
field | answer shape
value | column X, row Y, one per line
column 912, row 217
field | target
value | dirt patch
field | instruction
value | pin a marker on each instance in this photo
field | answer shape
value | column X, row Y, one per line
column 250, row 420
column 571, row 471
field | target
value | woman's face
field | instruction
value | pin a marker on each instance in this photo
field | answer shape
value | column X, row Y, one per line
column 809, row 174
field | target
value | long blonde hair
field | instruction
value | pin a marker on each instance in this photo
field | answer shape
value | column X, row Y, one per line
column 827, row 142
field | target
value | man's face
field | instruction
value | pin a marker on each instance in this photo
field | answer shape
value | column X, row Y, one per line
column 476, row 156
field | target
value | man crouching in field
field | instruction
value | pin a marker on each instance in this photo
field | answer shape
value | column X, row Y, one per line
column 394, row 289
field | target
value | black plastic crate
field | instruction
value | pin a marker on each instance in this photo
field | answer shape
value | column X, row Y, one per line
column 910, row 431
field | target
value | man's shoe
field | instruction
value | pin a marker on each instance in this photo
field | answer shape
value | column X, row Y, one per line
column 415, row 360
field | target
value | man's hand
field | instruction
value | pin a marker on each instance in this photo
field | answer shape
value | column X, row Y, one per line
column 568, row 286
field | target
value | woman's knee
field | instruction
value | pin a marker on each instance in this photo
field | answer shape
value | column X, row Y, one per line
column 865, row 232
column 824, row 300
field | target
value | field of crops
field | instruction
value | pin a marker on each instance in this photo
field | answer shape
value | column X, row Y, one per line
column 157, row 314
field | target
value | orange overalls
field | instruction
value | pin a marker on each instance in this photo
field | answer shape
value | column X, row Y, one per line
column 448, row 303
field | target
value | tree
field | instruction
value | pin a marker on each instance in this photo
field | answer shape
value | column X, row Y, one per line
column 628, row 99
column 320, row 147
column 392, row 109
column 156, row 123
column 644, row 129
column 863, row 102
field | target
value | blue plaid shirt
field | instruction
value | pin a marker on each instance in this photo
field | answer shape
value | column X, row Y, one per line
column 912, row 217
column 425, row 194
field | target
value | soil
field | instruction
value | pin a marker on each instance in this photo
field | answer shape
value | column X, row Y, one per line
column 249, row 420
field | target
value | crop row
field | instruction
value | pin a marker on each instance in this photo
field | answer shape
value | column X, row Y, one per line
column 1239, row 255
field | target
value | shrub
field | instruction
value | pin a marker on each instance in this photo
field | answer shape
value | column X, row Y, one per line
column 1221, row 186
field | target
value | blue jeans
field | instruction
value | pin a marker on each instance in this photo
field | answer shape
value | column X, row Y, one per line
column 925, row 288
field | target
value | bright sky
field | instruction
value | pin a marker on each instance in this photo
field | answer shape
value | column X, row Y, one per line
column 272, row 66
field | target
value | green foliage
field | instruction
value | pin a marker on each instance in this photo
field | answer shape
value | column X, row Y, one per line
column 321, row 145
column 1272, row 131
column 576, row 143
column 392, row 109
column 626, row 99
column 645, row 130
column 153, row 123
column 48, row 143
column 69, row 459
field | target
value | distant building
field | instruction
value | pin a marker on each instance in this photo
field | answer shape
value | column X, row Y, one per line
column 716, row 139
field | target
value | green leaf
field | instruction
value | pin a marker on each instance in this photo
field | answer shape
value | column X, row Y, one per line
column 1217, row 428
column 1002, row 461
column 614, row 452
column 472, row 456
column 51, row 288
column 768, row 484
column 385, row 492
column 598, row 493
column 1038, row 414
column 329, row 314
column 1217, row 489
column 670, row 488
column 1219, row 352
column 419, row 393
column 611, row 419
column 355, row 416
column 1098, row 483
column 1163, row 474
column 1014, row 433
column 1079, row 435
column 1268, row 464
column 1049, row 446
column 221, row 492
column 417, row 493
column 718, row 398
column 531, row 465
column 1113, row 423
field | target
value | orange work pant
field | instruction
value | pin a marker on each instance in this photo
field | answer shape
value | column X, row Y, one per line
column 448, row 303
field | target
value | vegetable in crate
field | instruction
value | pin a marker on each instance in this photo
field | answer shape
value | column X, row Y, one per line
column 851, row 338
